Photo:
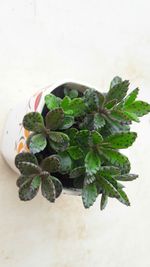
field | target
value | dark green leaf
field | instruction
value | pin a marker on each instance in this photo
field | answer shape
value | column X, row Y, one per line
column 25, row 157
column 91, row 99
column 95, row 138
column 77, row 172
column 75, row 152
column 54, row 118
column 58, row 141
column 127, row 177
column 123, row 197
column 51, row 164
column 89, row 195
column 37, row 143
column 29, row 189
column 72, row 132
column 104, row 201
column 121, row 140
column 109, row 170
column 140, row 108
column 22, row 179
column 27, row 168
column 92, row 162
column 33, row 121
column 82, row 137
column 89, row 179
column 115, row 81
column 78, row 182
column 65, row 162
column 117, row 91
column 117, row 159
column 52, row 101
column 48, row 189
column 58, row 186
column 111, row 103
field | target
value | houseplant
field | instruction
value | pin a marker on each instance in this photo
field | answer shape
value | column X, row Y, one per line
column 75, row 142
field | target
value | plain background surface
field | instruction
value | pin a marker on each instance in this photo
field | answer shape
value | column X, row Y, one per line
column 42, row 41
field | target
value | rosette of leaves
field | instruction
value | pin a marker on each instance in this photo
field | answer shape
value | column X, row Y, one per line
column 34, row 175
column 43, row 133
column 98, row 162
column 113, row 111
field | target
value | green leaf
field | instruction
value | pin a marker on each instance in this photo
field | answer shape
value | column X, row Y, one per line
column 27, row 168
column 25, row 157
column 123, row 197
column 23, row 179
column 131, row 116
column 77, row 106
column 33, row 121
column 91, row 99
column 72, row 132
column 51, row 164
column 104, row 201
column 89, row 179
column 65, row 162
column 48, row 189
column 89, row 195
column 95, row 138
column 75, row 152
column 52, row 101
column 121, row 140
column 58, row 141
column 120, row 116
column 116, row 80
column 117, row 91
column 72, row 93
column 77, row 172
column 82, row 137
column 109, row 170
column 116, row 159
column 111, row 103
column 127, row 177
column 98, row 122
column 29, row 189
column 92, row 162
column 58, row 186
column 131, row 97
column 67, row 123
column 54, row 118
column 65, row 105
column 140, row 108
column 108, row 187
column 37, row 143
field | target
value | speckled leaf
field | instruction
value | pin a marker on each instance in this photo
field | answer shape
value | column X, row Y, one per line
column 27, row 168
column 140, row 108
column 89, row 195
column 77, row 172
column 37, row 143
column 104, row 201
column 131, row 97
column 67, row 122
column 52, row 101
column 118, row 91
column 33, row 121
column 121, row 140
column 72, row 132
column 95, row 138
column 91, row 99
column 116, row 80
column 78, row 107
column 29, row 189
column 92, row 162
column 58, row 141
column 54, row 118
column 127, row 177
column 25, row 157
column 75, row 152
column 110, row 170
column 58, row 186
column 98, row 121
column 48, row 189
column 65, row 162
column 82, row 137
column 51, row 164
column 117, row 159
column 23, row 179
column 131, row 116
column 108, row 187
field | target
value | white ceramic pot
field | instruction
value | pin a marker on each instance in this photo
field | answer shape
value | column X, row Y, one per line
column 15, row 136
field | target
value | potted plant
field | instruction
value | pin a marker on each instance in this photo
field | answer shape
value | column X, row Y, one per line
column 75, row 141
